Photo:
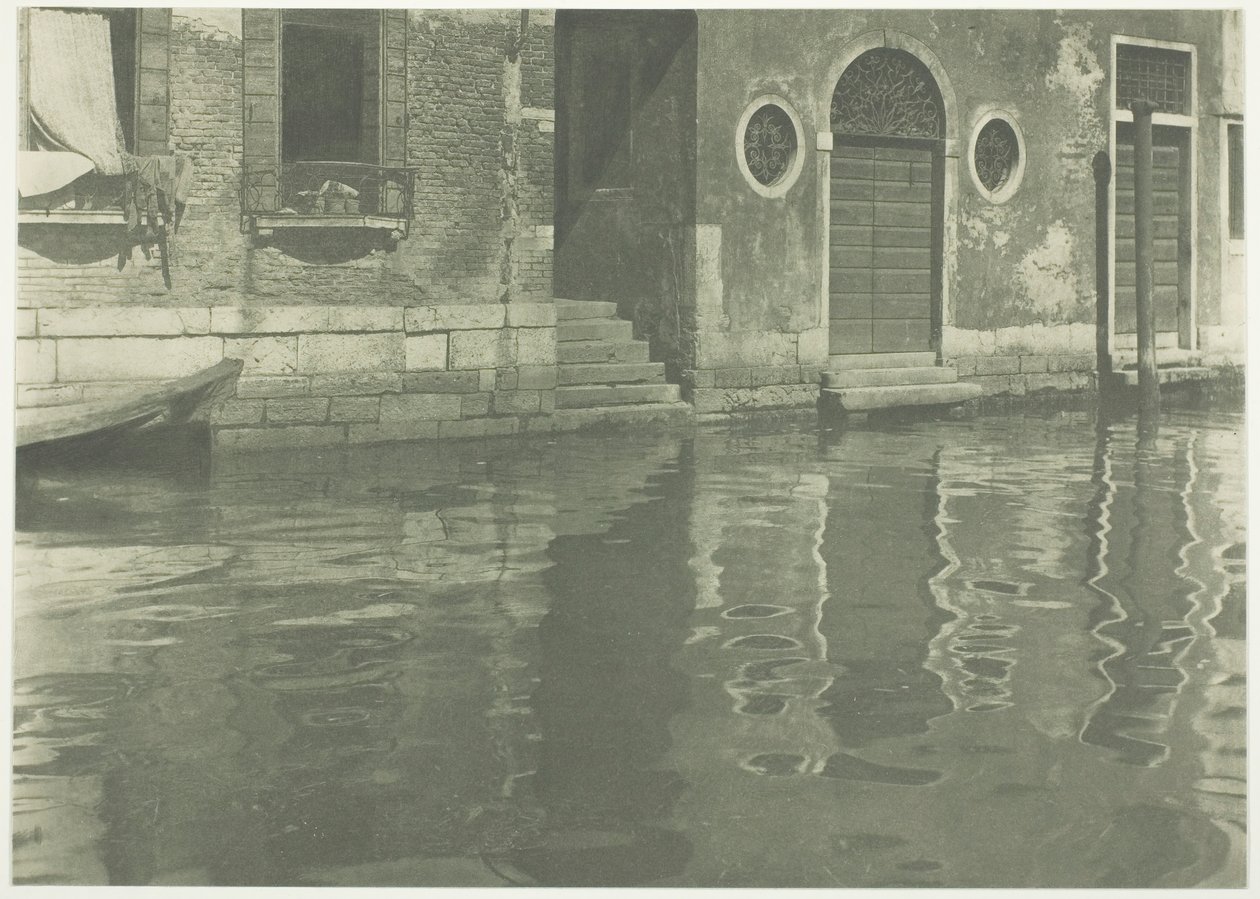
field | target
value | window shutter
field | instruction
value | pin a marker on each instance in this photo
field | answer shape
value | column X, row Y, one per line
column 394, row 95
column 153, row 53
column 260, row 106
column 393, row 102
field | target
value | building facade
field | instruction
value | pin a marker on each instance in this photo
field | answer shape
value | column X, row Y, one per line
column 793, row 189
column 377, row 209
column 418, row 307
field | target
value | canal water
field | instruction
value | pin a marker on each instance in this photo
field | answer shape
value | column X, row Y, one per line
column 1005, row 651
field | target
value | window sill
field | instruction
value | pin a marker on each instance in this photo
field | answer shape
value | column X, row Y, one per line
column 265, row 222
column 71, row 217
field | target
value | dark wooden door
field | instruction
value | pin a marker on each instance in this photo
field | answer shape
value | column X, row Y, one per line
column 886, row 198
column 1173, row 270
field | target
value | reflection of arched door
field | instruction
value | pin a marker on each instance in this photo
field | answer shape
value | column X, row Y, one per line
column 887, row 201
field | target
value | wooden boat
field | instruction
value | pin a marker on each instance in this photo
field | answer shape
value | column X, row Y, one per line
column 174, row 402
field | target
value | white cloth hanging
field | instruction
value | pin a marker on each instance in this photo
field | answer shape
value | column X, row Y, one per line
column 44, row 171
column 71, row 84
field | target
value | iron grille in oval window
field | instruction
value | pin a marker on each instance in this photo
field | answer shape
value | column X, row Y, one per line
column 996, row 154
column 769, row 144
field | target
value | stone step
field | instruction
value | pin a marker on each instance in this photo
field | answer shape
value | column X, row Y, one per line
column 1171, row 375
column 889, row 377
column 631, row 415
column 570, row 352
column 568, row 310
column 865, row 399
column 615, row 395
column 612, row 373
column 849, row 362
column 594, row 329
column 1174, row 357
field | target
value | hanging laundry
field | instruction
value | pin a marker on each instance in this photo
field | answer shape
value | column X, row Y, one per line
column 72, row 87
column 43, row 172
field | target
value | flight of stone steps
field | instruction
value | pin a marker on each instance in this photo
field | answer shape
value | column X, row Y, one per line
column 601, row 366
column 871, row 381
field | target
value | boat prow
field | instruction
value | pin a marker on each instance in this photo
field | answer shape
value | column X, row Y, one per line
column 173, row 402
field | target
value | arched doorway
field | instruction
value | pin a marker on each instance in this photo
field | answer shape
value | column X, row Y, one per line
column 887, row 206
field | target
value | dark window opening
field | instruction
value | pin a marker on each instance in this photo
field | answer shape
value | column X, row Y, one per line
column 323, row 101
column 1234, row 162
column 122, row 43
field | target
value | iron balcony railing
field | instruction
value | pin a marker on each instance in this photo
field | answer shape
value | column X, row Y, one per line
column 328, row 189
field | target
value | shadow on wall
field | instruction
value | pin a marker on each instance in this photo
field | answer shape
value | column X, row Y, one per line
column 75, row 244
column 330, row 246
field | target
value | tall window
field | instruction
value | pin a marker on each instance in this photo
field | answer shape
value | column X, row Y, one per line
column 1235, row 165
column 329, row 86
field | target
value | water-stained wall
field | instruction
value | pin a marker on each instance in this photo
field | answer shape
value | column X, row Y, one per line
column 1019, row 275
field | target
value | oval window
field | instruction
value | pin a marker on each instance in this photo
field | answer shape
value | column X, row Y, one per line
column 769, row 144
column 997, row 158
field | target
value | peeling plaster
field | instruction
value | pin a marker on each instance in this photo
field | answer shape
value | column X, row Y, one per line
column 1078, row 72
column 1047, row 277
column 987, row 225
column 935, row 29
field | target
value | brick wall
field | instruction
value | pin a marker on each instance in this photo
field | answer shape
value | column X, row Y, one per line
column 463, row 245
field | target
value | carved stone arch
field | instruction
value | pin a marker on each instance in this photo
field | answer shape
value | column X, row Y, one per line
column 887, row 93
column 892, row 40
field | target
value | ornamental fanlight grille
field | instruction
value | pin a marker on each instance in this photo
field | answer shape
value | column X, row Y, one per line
column 887, row 93
column 1156, row 74
column 996, row 154
column 769, row 144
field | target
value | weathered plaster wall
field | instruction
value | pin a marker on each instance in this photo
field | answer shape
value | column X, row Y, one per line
column 1027, row 264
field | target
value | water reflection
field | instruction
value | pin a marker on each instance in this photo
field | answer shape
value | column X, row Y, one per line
column 619, row 609
column 998, row 652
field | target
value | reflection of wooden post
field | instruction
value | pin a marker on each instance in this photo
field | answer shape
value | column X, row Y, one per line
column 1144, row 239
column 1102, row 178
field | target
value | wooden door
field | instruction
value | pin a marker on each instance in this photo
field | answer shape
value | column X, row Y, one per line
column 1173, row 269
column 884, row 256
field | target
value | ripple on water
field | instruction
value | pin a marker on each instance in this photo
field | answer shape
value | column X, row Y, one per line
column 763, row 704
column 174, row 612
column 757, row 610
column 317, row 674
column 763, row 641
column 776, row 764
column 843, row 766
column 341, row 636
column 336, row 717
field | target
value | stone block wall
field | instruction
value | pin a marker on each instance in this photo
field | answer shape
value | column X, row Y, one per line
column 743, row 371
column 312, row 375
column 1024, row 359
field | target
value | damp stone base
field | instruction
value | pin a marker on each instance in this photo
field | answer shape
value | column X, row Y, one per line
column 313, row 375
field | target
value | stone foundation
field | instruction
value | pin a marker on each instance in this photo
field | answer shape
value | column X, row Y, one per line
column 1018, row 375
column 313, row 376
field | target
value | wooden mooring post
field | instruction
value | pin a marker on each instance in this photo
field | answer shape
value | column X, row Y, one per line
column 1102, row 314
column 1144, row 240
